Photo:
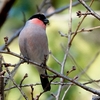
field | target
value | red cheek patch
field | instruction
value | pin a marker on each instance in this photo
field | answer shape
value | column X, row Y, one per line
column 38, row 22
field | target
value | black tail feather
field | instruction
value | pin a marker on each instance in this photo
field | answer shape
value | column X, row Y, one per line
column 45, row 82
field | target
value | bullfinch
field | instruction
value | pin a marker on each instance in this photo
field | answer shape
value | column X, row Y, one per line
column 33, row 45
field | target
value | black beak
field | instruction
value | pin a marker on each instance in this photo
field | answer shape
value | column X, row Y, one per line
column 46, row 21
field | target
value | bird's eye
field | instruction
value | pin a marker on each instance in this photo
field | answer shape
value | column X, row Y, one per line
column 39, row 17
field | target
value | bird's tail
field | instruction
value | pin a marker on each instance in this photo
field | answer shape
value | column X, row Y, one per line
column 45, row 82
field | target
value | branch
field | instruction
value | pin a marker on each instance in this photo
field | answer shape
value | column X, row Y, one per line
column 10, row 77
column 26, row 85
column 66, row 92
column 58, row 74
column 25, row 76
column 11, row 39
column 94, row 97
column 13, row 72
column 67, row 49
column 89, row 9
column 5, row 9
column 64, row 8
column 87, row 30
column 92, row 81
column 75, row 82
column 1, row 81
column 80, row 24
column 55, row 58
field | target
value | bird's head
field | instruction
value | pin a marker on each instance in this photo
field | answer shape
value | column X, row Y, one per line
column 41, row 17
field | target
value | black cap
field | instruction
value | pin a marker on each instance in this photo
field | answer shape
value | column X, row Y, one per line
column 41, row 17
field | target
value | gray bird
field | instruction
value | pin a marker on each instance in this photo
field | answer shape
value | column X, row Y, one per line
column 33, row 45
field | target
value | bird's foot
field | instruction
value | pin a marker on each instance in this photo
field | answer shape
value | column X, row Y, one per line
column 26, row 60
column 45, row 59
column 43, row 65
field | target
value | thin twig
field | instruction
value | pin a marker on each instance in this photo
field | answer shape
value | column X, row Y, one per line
column 92, row 81
column 16, row 84
column 62, row 76
column 55, row 58
column 12, row 53
column 42, row 4
column 66, row 92
column 13, row 72
column 75, row 82
column 28, row 85
column 43, row 7
column 95, row 97
column 72, row 69
column 83, row 71
column 67, row 50
column 25, row 76
column 11, row 39
column 87, row 30
column 1, row 80
column 64, row 8
column 62, row 34
column 89, row 9
column 53, row 95
column 32, row 90
column 75, row 33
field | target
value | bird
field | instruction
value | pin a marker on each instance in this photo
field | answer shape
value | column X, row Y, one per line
column 33, row 44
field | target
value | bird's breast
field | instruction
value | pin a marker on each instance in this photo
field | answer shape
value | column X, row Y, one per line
column 33, row 43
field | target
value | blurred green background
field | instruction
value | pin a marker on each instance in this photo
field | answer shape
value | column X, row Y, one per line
column 83, row 49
